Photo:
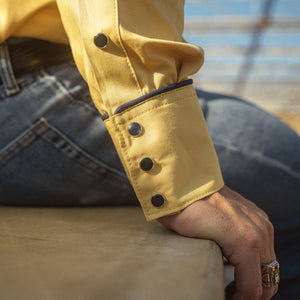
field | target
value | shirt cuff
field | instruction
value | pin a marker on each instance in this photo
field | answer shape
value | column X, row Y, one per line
column 166, row 150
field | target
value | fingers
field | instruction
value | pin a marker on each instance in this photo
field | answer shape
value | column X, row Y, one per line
column 243, row 231
column 248, row 277
column 257, row 247
column 268, row 293
column 248, row 283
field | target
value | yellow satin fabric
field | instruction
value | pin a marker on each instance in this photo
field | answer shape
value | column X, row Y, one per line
column 145, row 52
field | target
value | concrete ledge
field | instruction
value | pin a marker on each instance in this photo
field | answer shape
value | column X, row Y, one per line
column 102, row 253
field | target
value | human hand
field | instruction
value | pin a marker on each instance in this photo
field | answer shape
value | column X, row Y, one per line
column 242, row 230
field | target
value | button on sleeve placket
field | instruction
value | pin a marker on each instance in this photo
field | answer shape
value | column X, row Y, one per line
column 101, row 40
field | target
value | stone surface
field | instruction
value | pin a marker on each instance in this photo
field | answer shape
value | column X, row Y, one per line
column 102, row 253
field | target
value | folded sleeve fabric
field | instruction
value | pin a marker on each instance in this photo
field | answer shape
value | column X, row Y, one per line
column 136, row 63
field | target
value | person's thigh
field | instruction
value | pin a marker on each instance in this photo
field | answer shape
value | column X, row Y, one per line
column 260, row 158
column 259, row 155
column 54, row 147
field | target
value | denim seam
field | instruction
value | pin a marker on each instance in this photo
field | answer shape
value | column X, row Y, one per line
column 6, row 72
column 16, row 145
column 64, row 90
column 81, row 151
column 23, row 82
column 60, row 86
column 41, row 129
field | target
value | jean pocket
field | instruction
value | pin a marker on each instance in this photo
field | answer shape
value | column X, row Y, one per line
column 42, row 166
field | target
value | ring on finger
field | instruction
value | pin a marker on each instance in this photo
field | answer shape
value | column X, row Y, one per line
column 270, row 274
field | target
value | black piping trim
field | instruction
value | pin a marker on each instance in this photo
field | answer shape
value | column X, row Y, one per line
column 157, row 92
column 104, row 117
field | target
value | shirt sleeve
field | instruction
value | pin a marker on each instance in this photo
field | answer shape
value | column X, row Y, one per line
column 136, row 63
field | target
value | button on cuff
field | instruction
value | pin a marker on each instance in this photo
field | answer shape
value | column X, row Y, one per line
column 158, row 200
column 146, row 164
column 185, row 166
column 134, row 129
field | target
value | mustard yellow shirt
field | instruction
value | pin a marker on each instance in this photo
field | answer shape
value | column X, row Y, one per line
column 136, row 63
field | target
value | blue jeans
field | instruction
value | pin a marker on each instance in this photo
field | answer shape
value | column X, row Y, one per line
column 55, row 150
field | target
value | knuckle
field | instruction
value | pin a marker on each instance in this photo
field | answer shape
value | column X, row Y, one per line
column 265, row 233
column 270, row 228
column 253, row 239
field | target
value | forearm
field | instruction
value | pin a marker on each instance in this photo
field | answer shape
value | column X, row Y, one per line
column 145, row 52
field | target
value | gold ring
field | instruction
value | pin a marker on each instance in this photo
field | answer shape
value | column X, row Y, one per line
column 270, row 274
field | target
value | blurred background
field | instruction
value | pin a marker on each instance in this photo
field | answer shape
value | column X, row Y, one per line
column 252, row 50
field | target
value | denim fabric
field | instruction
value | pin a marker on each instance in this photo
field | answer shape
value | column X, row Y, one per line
column 55, row 150
column 54, row 147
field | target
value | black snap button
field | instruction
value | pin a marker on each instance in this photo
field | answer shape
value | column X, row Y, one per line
column 134, row 129
column 157, row 200
column 146, row 164
column 101, row 40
